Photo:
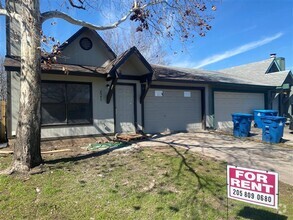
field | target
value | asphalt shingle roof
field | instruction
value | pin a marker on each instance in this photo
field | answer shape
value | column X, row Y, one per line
column 13, row 64
column 163, row 73
column 256, row 72
column 249, row 74
column 260, row 67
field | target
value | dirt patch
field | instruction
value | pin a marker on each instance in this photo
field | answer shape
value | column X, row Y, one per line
column 76, row 146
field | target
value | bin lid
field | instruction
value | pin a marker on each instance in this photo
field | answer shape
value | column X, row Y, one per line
column 242, row 114
column 274, row 118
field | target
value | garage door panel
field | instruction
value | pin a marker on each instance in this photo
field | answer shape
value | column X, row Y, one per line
column 172, row 111
column 227, row 103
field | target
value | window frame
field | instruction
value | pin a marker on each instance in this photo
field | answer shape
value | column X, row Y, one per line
column 66, row 124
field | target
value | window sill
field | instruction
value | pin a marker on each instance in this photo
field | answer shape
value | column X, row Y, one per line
column 65, row 125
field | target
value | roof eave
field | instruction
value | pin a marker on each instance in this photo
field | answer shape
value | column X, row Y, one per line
column 13, row 64
column 212, row 83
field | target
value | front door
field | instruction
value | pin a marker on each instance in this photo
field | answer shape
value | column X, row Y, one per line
column 125, row 106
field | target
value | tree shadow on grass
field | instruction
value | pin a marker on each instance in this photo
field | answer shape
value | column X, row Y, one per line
column 258, row 214
column 196, row 200
column 84, row 157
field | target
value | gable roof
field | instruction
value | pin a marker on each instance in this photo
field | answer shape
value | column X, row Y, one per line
column 122, row 58
column 258, row 72
column 79, row 32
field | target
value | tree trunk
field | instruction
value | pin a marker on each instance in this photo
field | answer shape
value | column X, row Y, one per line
column 27, row 152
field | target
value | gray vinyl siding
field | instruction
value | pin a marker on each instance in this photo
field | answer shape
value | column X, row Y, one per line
column 103, row 120
column 98, row 55
column 103, row 113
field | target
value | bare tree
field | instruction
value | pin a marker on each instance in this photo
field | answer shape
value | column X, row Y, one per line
column 3, row 80
column 122, row 39
column 172, row 18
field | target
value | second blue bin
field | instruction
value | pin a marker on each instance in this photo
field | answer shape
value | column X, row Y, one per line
column 242, row 124
column 258, row 114
column 273, row 129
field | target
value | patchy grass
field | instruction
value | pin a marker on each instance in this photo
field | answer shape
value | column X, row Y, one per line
column 143, row 183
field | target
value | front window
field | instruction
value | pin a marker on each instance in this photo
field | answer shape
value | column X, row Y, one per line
column 66, row 103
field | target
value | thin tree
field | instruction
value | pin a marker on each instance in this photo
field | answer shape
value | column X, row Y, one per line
column 164, row 18
column 3, row 80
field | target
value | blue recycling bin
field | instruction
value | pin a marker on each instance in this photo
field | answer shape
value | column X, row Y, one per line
column 242, row 124
column 262, row 113
column 273, row 129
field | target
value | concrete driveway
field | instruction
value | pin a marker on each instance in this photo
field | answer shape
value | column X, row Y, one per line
column 238, row 152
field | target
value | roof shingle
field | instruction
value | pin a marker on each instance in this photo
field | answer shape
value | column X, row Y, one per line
column 162, row 73
column 256, row 72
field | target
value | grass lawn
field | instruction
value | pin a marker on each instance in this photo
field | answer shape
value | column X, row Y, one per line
column 141, row 183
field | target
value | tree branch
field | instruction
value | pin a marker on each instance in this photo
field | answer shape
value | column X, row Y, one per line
column 57, row 14
column 156, row 2
column 3, row 11
column 77, row 6
column 10, row 14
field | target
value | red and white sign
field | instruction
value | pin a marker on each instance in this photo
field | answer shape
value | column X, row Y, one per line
column 253, row 186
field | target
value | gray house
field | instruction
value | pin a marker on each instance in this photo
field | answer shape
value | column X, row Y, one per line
column 91, row 91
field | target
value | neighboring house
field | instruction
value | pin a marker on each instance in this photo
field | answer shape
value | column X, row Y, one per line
column 91, row 91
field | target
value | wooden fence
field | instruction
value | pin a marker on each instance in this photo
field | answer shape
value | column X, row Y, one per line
column 3, row 121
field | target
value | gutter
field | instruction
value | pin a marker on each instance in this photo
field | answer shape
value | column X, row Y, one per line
column 214, row 83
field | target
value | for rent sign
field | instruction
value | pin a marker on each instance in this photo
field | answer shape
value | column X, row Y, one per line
column 253, row 186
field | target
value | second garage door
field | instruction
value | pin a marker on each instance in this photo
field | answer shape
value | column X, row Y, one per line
column 172, row 110
column 226, row 103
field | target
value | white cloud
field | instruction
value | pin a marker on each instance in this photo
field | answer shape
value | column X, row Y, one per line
column 229, row 53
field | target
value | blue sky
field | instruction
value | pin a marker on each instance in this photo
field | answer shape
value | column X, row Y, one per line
column 243, row 31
